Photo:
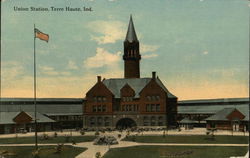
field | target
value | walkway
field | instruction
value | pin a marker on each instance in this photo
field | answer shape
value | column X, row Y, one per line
column 93, row 149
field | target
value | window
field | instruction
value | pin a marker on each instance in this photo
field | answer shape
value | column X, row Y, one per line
column 94, row 108
column 106, row 124
column 106, row 121
column 99, row 108
column 153, row 98
column 153, row 107
column 149, row 98
column 157, row 107
column 157, row 97
column 148, row 107
column 92, row 121
column 99, row 99
column 104, row 108
column 123, row 108
column 126, row 107
column 127, row 99
column 145, row 121
column 134, row 108
column 104, row 99
column 160, row 121
column 129, row 107
column 153, row 121
column 99, row 121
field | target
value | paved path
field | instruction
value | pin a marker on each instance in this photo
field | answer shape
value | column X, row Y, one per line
column 93, row 149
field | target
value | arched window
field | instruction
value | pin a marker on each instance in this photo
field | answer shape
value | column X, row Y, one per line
column 160, row 121
column 145, row 121
column 99, row 121
column 153, row 120
column 92, row 121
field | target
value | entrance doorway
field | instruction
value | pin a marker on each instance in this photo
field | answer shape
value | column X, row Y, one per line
column 125, row 123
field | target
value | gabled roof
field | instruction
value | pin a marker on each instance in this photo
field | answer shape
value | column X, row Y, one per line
column 131, row 35
column 7, row 117
column 137, row 84
column 222, row 115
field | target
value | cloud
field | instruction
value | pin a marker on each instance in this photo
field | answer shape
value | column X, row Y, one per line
column 72, row 65
column 205, row 52
column 110, row 31
column 11, row 70
column 145, row 48
column 148, row 48
column 47, row 70
column 50, row 71
column 102, row 58
column 149, row 56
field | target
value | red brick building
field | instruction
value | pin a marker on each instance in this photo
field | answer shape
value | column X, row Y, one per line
column 228, row 119
column 130, row 101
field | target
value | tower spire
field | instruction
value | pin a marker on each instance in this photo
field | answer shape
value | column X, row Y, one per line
column 131, row 54
column 131, row 35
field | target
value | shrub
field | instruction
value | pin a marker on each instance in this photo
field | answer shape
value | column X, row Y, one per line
column 82, row 132
column 119, row 136
column 59, row 148
column 35, row 154
column 98, row 155
column 97, row 133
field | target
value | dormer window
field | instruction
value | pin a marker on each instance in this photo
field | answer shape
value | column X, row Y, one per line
column 127, row 99
column 153, row 98
column 99, row 99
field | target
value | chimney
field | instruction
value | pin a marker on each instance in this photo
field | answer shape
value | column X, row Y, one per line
column 99, row 78
column 153, row 74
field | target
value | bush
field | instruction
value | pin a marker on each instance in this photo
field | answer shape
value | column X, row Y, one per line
column 82, row 132
column 119, row 136
column 55, row 134
column 98, row 155
column 59, row 148
column 97, row 133
column 35, row 154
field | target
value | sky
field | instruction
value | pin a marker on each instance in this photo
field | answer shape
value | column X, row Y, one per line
column 198, row 48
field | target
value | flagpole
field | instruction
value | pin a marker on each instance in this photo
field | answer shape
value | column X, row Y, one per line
column 35, row 87
column 1, row 64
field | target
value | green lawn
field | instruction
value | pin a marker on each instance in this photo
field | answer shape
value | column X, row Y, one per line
column 190, row 139
column 175, row 151
column 59, row 139
column 44, row 152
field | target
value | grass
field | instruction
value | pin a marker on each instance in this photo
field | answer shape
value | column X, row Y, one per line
column 203, row 139
column 59, row 139
column 44, row 152
column 175, row 151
